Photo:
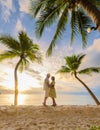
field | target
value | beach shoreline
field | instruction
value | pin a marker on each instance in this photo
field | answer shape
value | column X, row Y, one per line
column 63, row 117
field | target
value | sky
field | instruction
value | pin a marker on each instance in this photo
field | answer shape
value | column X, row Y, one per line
column 14, row 17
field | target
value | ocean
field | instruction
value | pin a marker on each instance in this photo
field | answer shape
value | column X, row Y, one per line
column 37, row 99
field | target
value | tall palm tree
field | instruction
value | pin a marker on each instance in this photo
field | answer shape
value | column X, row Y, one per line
column 23, row 48
column 76, row 12
column 72, row 65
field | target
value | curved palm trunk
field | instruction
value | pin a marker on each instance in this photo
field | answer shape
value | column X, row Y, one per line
column 90, row 92
column 92, row 11
column 16, row 83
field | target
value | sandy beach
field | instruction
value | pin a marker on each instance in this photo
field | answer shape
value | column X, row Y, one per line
column 49, row 118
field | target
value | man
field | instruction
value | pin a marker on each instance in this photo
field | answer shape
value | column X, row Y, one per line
column 46, row 88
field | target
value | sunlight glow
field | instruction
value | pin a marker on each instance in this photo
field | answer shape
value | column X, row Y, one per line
column 25, row 82
column 21, row 99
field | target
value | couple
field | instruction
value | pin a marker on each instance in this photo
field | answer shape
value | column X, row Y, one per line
column 49, row 89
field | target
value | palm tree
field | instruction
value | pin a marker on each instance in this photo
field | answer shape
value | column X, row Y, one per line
column 23, row 48
column 72, row 65
column 79, row 13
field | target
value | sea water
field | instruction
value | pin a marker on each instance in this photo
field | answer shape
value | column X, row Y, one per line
column 37, row 99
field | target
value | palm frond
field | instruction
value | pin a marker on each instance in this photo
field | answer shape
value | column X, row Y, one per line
column 8, row 54
column 9, row 42
column 34, row 57
column 83, row 23
column 80, row 57
column 30, row 50
column 74, row 61
column 71, row 61
column 47, row 16
column 25, row 41
column 89, row 70
column 34, row 47
column 60, row 29
column 74, row 29
column 72, row 64
column 36, row 6
column 23, row 63
column 64, row 69
column 50, row 10
column 24, row 48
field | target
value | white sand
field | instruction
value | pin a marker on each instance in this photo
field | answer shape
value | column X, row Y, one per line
column 49, row 118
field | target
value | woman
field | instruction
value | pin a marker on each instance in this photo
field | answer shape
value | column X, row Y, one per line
column 52, row 92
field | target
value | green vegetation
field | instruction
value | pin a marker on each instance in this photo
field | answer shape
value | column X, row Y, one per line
column 72, row 64
column 79, row 13
column 92, row 128
column 24, row 49
column 95, row 128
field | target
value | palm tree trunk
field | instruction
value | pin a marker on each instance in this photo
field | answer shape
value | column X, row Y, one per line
column 90, row 92
column 92, row 11
column 16, row 83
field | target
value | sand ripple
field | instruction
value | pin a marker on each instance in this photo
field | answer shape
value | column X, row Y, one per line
column 49, row 118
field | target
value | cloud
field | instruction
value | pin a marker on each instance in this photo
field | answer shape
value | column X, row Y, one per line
column 19, row 26
column 7, row 7
column 95, row 46
column 34, row 73
column 24, row 5
column 68, row 83
column 93, row 54
column 92, row 59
